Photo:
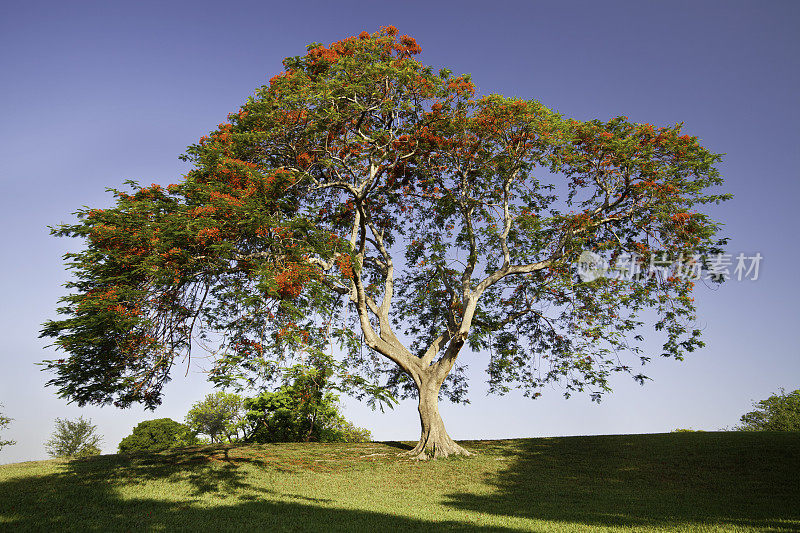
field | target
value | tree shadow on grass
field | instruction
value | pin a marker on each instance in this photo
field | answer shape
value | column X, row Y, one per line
column 656, row 481
column 101, row 494
column 399, row 445
column 690, row 479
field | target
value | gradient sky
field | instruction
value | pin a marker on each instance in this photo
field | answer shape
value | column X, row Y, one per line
column 96, row 93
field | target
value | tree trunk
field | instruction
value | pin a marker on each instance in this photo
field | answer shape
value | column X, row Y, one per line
column 434, row 442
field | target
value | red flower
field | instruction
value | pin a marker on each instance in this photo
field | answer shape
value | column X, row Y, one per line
column 410, row 45
column 304, row 160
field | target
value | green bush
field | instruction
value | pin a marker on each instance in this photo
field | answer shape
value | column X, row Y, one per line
column 157, row 435
column 73, row 438
column 779, row 412
column 4, row 422
column 342, row 430
column 299, row 412
column 220, row 416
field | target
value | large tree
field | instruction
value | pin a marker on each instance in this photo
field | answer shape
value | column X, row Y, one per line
column 363, row 199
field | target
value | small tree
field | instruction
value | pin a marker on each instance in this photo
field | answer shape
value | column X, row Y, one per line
column 220, row 416
column 4, row 422
column 157, row 435
column 302, row 410
column 779, row 412
column 339, row 429
column 74, row 438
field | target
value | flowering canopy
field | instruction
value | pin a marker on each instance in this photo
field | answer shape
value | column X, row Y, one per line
column 364, row 198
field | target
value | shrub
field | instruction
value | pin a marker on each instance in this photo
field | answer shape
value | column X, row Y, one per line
column 342, row 430
column 300, row 411
column 779, row 412
column 220, row 416
column 4, row 422
column 157, row 435
column 73, row 439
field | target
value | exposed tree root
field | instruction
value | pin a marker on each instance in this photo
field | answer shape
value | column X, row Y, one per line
column 435, row 448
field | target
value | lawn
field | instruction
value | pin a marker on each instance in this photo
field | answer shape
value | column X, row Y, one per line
column 663, row 482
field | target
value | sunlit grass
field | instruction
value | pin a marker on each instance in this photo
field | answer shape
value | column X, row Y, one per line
column 672, row 482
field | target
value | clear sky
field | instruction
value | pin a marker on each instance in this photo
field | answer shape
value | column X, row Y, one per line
column 93, row 93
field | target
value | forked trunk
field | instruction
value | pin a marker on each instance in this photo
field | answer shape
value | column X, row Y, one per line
column 434, row 442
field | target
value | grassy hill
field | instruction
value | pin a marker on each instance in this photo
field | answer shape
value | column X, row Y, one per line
column 663, row 482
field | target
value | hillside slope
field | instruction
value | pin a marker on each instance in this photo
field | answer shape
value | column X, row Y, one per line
column 663, row 482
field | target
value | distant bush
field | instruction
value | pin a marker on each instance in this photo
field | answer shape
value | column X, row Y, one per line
column 779, row 412
column 220, row 416
column 302, row 411
column 73, row 439
column 4, row 422
column 157, row 435
column 686, row 430
column 342, row 430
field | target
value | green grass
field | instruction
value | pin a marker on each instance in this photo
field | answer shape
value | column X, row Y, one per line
column 665, row 482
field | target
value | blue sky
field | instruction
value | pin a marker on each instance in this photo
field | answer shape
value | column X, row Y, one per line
column 96, row 93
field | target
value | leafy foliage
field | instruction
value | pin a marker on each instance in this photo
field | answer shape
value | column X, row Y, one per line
column 73, row 439
column 360, row 195
column 220, row 416
column 300, row 411
column 779, row 412
column 4, row 422
column 157, row 435
column 339, row 429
